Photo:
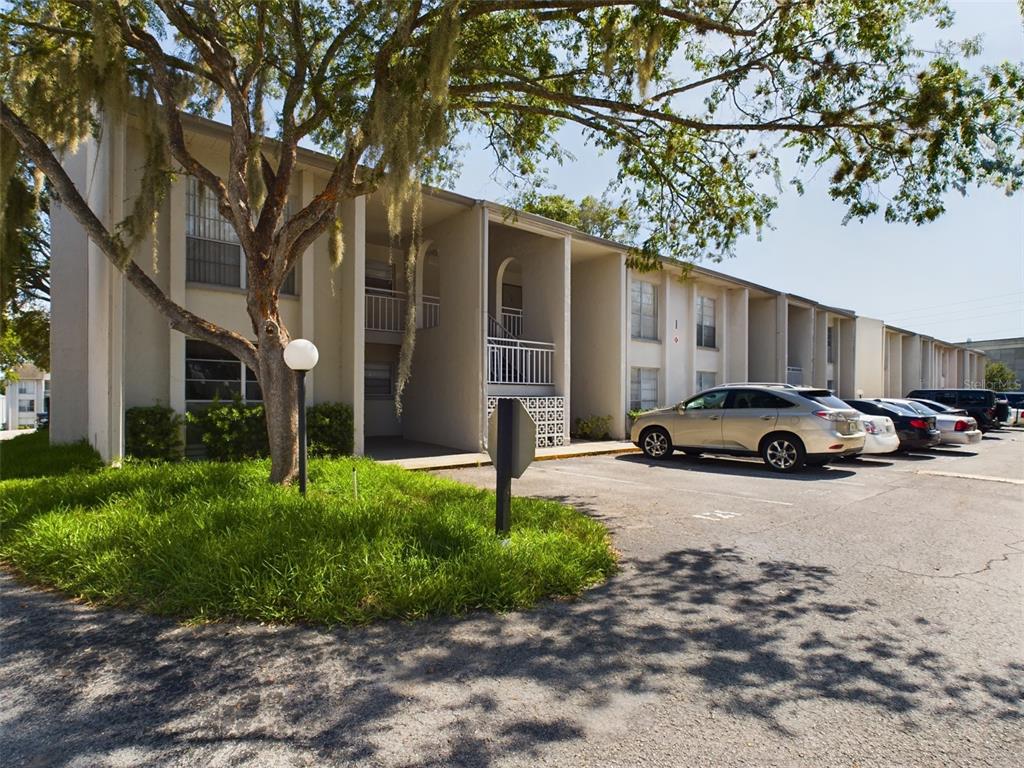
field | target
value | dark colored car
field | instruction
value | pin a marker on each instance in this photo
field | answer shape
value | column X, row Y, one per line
column 1015, row 399
column 916, row 431
column 979, row 403
column 43, row 420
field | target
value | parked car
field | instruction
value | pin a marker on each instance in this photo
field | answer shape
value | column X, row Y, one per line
column 1016, row 402
column 979, row 403
column 879, row 435
column 43, row 420
column 916, row 432
column 956, row 429
column 1002, row 409
column 786, row 426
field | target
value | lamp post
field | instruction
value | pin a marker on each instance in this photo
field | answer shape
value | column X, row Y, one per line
column 301, row 355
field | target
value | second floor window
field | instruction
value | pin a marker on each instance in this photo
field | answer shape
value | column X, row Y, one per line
column 644, row 311
column 705, row 322
column 830, row 355
column 213, row 254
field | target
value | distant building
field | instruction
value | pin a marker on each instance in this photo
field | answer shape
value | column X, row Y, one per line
column 26, row 397
column 1008, row 351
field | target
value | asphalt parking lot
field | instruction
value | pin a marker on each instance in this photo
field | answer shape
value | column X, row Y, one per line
column 869, row 614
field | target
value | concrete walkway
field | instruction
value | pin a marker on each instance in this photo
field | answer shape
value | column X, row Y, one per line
column 457, row 460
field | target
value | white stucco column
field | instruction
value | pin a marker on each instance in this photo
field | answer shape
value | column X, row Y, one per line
column 176, row 288
column 307, row 284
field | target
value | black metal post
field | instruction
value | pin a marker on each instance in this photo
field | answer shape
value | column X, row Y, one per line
column 302, row 431
column 503, row 517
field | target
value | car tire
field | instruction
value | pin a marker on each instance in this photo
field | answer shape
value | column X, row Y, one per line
column 656, row 443
column 783, row 452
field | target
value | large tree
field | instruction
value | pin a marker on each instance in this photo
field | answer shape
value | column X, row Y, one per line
column 694, row 97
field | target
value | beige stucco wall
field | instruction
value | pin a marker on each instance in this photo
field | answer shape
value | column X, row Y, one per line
column 737, row 334
column 597, row 351
column 766, row 333
column 869, row 380
column 444, row 400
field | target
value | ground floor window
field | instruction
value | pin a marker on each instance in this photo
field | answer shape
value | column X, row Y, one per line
column 706, row 380
column 643, row 389
column 213, row 374
column 26, row 406
column 378, row 380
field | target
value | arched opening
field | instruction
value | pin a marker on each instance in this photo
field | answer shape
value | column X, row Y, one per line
column 508, row 296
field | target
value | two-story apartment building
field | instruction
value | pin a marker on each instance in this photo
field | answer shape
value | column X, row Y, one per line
column 507, row 305
column 25, row 398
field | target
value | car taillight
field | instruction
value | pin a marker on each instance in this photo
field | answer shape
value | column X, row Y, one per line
column 918, row 424
column 870, row 428
column 962, row 426
column 830, row 415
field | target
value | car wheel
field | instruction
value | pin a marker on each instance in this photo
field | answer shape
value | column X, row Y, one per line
column 655, row 443
column 783, row 453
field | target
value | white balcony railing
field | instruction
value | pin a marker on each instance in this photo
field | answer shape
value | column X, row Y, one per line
column 512, row 321
column 514, row 361
column 431, row 311
column 385, row 310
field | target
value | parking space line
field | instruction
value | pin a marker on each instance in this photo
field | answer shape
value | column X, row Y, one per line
column 986, row 478
column 665, row 487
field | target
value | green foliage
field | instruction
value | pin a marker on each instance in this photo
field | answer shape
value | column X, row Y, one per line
column 232, row 431
column 235, row 431
column 32, row 455
column 206, row 541
column 153, row 432
column 593, row 428
column 1000, row 377
column 24, row 264
column 329, row 429
column 598, row 217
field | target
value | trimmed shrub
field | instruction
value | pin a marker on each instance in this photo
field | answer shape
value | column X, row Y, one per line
column 153, row 432
column 232, row 431
column 329, row 429
column 593, row 428
column 235, row 431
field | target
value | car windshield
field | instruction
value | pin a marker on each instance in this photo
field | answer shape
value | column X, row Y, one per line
column 713, row 399
column 826, row 398
column 937, row 407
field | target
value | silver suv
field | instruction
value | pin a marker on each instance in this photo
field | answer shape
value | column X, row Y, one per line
column 786, row 426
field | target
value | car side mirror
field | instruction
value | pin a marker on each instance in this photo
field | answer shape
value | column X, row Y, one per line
column 681, row 408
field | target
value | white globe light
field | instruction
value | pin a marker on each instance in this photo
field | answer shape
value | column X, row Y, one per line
column 301, row 355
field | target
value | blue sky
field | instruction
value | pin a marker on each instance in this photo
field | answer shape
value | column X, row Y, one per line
column 957, row 278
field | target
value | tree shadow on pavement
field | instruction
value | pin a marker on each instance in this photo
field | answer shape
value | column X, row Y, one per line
column 751, row 638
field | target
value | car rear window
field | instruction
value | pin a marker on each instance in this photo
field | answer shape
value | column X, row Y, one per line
column 825, row 397
column 920, row 408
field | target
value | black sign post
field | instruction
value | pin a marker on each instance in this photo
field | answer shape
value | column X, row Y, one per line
column 503, row 465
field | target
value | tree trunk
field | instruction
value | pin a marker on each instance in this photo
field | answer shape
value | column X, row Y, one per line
column 280, row 390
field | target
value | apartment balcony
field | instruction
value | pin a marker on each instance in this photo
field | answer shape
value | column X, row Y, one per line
column 519, row 362
column 385, row 310
column 512, row 321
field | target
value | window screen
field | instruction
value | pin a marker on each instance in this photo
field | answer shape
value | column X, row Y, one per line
column 643, row 389
column 644, row 310
column 706, row 322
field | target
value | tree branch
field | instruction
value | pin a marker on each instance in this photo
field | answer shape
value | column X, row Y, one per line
column 179, row 318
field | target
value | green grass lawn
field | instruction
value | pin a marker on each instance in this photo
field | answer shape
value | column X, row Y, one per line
column 30, row 455
column 204, row 541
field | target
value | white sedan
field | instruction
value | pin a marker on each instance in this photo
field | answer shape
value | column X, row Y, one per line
column 956, row 428
column 879, row 434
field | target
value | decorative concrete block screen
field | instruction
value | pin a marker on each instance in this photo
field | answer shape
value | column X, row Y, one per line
column 549, row 415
